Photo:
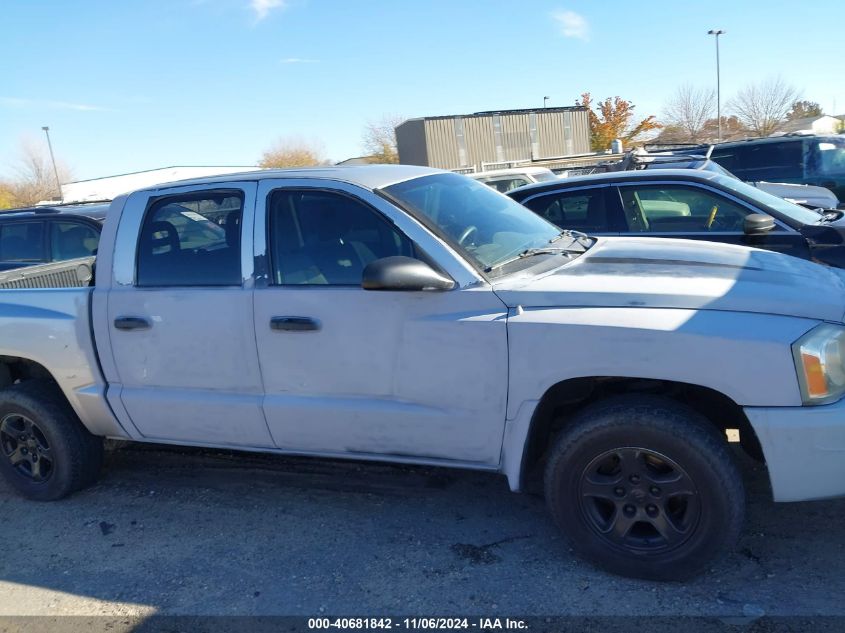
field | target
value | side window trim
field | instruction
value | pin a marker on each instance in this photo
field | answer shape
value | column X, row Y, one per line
column 713, row 190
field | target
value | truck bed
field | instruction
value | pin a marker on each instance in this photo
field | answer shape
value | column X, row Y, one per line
column 72, row 273
column 53, row 325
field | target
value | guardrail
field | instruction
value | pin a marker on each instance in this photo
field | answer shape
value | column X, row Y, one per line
column 72, row 273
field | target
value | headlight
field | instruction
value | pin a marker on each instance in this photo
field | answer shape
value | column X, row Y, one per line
column 820, row 361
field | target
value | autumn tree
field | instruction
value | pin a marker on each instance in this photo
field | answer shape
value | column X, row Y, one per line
column 292, row 152
column 34, row 178
column 7, row 196
column 804, row 110
column 688, row 111
column 614, row 119
column 380, row 139
column 763, row 107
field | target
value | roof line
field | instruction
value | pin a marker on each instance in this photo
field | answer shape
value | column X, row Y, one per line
column 147, row 171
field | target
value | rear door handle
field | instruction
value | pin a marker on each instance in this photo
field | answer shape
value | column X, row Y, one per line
column 294, row 324
column 131, row 323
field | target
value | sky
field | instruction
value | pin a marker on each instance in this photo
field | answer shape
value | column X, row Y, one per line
column 140, row 84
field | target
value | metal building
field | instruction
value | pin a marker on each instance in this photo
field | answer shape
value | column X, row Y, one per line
column 489, row 140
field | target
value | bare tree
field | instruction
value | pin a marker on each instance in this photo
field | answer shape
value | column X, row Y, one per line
column 293, row 152
column 763, row 107
column 34, row 179
column 380, row 139
column 688, row 111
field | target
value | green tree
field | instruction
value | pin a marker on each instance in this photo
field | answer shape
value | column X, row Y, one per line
column 804, row 109
column 614, row 118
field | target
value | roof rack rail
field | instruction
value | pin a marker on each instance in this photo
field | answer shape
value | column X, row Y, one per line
column 39, row 210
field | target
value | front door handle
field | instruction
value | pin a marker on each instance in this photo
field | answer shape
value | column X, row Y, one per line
column 294, row 324
column 131, row 323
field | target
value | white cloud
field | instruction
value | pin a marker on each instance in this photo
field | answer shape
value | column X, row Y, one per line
column 298, row 60
column 17, row 102
column 572, row 24
column 262, row 8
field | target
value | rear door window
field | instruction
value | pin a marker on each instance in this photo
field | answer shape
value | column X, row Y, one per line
column 22, row 242
column 193, row 240
column 585, row 210
column 70, row 240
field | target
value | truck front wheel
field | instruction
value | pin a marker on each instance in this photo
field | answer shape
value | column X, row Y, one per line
column 45, row 452
column 645, row 487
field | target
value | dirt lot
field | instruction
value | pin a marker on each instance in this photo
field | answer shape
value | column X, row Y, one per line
column 206, row 533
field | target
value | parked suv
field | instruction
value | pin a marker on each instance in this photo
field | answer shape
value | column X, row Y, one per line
column 40, row 235
column 809, row 160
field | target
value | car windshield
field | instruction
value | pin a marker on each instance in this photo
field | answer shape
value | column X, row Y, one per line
column 793, row 211
column 487, row 227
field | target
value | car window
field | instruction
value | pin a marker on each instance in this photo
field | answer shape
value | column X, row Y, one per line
column 22, row 242
column 827, row 157
column 191, row 241
column 678, row 208
column 323, row 238
column 507, row 184
column 69, row 240
column 770, row 161
column 583, row 210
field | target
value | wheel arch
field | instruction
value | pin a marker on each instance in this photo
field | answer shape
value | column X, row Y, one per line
column 563, row 399
column 88, row 402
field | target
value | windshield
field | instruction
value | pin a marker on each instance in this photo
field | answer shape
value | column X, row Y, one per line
column 795, row 212
column 487, row 227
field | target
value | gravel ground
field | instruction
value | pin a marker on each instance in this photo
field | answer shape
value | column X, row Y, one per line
column 190, row 532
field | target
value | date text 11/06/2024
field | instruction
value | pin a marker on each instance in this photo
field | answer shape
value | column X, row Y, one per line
column 431, row 624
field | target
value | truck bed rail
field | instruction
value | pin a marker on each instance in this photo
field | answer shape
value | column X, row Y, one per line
column 72, row 273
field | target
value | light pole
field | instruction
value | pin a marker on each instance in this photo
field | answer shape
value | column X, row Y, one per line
column 717, row 33
column 53, row 159
column 544, row 101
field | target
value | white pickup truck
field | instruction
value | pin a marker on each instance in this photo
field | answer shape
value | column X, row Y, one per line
column 411, row 315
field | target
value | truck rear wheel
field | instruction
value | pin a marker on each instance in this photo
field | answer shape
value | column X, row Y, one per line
column 645, row 487
column 45, row 452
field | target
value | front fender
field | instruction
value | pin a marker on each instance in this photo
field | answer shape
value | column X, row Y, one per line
column 745, row 356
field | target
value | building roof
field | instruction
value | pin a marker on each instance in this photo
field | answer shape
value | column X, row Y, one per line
column 504, row 112
column 798, row 125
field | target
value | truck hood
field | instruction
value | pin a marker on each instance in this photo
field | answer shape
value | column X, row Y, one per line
column 687, row 274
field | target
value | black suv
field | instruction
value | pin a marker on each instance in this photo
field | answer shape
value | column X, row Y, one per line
column 39, row 235
column 807, row 160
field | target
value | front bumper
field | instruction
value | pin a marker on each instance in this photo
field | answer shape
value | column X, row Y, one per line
column 804, row 449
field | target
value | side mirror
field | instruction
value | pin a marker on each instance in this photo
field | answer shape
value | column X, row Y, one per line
column 758, row 224
column 403, row 274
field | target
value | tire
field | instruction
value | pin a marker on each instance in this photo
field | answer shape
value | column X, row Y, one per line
column 36, row 418
column 645, row 487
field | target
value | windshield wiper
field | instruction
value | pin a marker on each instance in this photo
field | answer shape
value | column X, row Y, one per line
column 575, row 235
column 529, row 252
